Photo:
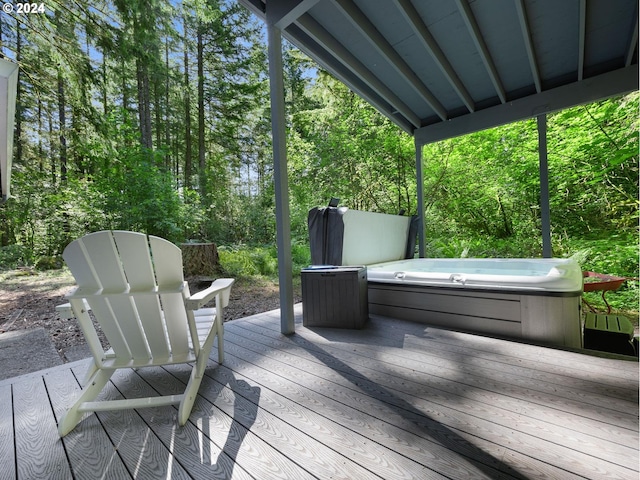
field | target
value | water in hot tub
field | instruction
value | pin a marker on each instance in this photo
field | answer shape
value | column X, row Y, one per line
column 479, row 266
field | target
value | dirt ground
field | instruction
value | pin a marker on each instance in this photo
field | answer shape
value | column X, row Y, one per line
column 28, row 300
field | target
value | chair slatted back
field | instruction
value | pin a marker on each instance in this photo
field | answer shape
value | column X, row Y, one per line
column 122, row 275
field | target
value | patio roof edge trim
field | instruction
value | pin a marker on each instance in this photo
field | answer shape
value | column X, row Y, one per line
column 285, row 12
column 611, row 84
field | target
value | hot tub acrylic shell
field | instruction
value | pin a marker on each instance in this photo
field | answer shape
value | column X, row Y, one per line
column 535, row 274
column 531, row 299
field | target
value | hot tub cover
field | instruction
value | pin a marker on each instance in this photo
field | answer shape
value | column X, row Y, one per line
column 341, row 236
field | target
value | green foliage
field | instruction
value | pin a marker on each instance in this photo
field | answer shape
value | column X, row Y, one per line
column 188, row 81
column 595, row 168
column 49, row 263
column 344, row 149
column 43, row 217
column 300, row 256
column 484, row 247
column 615, row 255
column 487, row 184
column 244, row 261
column 14, row 256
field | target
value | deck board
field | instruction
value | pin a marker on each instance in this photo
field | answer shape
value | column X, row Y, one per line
column 90, row 450
column 501, row 404
column 39, row 454
column 394, row 400
column 342, row 408
column 472, row 418
column 7, row 445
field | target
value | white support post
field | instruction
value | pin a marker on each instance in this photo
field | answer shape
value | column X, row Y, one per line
column 283, row 223
column 545, row 209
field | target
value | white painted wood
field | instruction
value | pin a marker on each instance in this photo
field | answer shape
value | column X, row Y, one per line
column 101, row 308
column 126, row 318
column 167, row 262
column 102, row 254
column 75, row 258
column 80, row 309
column 136, row 291
column 65, row 310
column 151, row 319
column 133, row 249
column 201, row 298
column 175, row 317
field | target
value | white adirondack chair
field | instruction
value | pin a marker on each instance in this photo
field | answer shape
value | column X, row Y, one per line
column 135, row 287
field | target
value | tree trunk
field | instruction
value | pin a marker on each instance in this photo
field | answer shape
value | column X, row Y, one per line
column 62, row 122
column 144, row 110
column 104, row 83
column 200, row 259
column 157, row 107
column 52, row 157
column 41, row 135
column 187, row 115
column 167, row 114
column 201, row 143
column 125, row 93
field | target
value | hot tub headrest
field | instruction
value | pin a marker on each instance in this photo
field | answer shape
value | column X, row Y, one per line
column 340, row 236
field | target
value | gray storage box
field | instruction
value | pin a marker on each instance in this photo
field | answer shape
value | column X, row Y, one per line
column 334, row 297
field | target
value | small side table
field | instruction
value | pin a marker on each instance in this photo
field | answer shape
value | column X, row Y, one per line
column 334, row 297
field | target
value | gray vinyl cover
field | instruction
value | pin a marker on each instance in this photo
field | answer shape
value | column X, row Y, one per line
column 326, row 231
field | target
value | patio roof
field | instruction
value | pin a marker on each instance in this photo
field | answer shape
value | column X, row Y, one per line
column 442, row 68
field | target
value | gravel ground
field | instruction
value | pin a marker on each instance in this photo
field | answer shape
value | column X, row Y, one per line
column 28, row 299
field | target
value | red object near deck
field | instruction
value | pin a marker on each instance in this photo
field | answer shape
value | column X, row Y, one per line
column 596, row 282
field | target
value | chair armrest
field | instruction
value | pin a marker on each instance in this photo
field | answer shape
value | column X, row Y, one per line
column 220, row 286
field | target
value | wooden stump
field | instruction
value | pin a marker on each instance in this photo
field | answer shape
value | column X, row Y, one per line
column 200, row 259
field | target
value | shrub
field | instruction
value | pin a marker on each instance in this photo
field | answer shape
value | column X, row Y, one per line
column 14, row 256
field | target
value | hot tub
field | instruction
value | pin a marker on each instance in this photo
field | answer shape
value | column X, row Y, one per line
column 531, row 299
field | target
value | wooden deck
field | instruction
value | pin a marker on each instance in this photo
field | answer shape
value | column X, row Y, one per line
column 395, row 400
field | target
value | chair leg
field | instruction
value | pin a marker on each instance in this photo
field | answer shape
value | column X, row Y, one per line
column 92, row 389
column 221, row 346
column 197, row 372
column 191, row 392
column 91, row 371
